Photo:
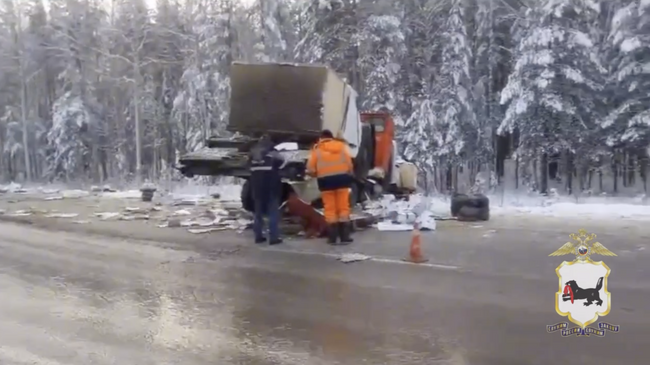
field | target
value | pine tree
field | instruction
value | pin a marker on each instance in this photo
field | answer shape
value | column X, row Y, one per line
column 629, row 121
column 455, row 122
column 382, row 51
column 554, row 90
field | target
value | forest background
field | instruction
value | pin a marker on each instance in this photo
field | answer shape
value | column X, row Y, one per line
column 538, row 94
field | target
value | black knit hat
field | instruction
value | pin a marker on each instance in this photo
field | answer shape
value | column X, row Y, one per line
column 326, row 133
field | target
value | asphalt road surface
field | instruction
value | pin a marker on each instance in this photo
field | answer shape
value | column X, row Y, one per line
column 69, row 299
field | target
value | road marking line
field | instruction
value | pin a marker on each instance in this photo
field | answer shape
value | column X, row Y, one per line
column 375, row 259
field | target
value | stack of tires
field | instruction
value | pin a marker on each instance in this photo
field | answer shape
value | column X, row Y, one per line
column 147, row 194
column 470, row 208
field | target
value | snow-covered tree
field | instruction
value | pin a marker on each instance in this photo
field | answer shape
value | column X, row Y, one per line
column 455, row 120
column 330, row 29
column 629, row 84
column 554, row 91
column 382, row 51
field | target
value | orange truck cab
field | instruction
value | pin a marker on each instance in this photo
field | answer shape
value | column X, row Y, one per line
column 383, row 128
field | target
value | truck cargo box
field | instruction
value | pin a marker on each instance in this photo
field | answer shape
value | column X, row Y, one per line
column 291, row 99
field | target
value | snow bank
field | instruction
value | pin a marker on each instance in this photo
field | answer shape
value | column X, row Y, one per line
column 12, row 188
column 561, row 207
column 576, row 210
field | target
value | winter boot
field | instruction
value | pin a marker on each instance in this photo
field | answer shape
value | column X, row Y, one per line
column 276, row 241
column 332, row 233
column 345, row 229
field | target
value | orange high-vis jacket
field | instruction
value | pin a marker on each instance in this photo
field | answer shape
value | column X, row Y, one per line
column 330, row 162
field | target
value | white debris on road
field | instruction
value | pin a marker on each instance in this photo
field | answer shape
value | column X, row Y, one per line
column 107, row 215
column 20, row 213
column 74, row 194
column 129, row 194
column 401, row 215
column 347, row 258
column 62, row 215
column 206, row 230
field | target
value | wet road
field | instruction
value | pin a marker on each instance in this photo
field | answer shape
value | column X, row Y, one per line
column 71, row 299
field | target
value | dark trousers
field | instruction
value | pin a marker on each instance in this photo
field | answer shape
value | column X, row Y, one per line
column 271, row 208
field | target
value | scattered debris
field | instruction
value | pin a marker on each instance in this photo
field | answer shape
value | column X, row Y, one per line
column 62, row 215
column 50, row 198
column 192, row 201
column 222, row 212
column 401, row 215
column 137, row 210
column 205, row 230
column 134, row 217
column 20, row 213
column 107, row 215
column 171, row 223
column 103, row 189
column 347, row 258
column 426, row 221
column 489, row 233
column 182, row 212
column 74, row 194
column 129, row 194
column 388, row 226
column 196, row 223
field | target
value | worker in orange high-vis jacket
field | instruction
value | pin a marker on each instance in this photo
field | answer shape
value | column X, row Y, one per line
column 330, row 163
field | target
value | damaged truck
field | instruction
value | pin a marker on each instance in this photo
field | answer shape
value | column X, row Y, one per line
column 293, row 103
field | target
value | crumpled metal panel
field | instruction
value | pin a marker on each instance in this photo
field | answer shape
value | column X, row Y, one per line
column 210, row 154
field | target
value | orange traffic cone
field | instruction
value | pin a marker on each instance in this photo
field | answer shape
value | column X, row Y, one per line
column 415, row 252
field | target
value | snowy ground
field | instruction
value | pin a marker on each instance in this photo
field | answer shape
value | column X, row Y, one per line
column 502, row 206
column 192, row 216
column 199, row 210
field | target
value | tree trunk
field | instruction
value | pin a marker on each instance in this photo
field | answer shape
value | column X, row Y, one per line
column 543, row 170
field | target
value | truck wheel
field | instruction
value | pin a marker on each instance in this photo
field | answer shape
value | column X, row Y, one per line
column 317, row 204
column 365, row 155
column 247, row 201
column 354, row 195
column 389, row 176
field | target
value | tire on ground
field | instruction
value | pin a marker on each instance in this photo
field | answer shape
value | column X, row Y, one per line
column 472, row 208
column 458, row 201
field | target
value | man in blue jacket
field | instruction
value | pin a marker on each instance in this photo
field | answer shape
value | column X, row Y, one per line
column 266, row 188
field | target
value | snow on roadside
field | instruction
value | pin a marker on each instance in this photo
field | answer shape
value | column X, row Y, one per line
column 577, row 210
column 226, row 192
column 128, row 194
column 598, row 207
column 559, row 207
column 12, row 188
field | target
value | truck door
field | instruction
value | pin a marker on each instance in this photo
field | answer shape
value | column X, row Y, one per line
column 384, row 134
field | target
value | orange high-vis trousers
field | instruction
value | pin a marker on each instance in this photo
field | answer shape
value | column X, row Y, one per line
column 337, row 205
